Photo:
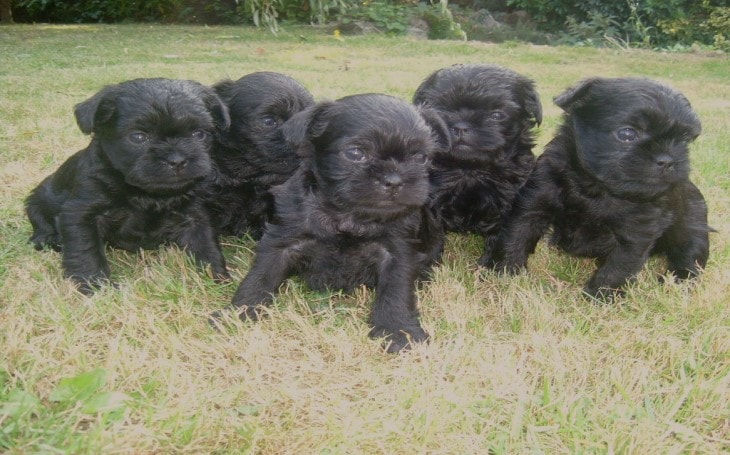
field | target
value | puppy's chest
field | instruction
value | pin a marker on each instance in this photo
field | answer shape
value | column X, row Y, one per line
column 341, row 262
column 590, row 224
column 473, row 201
column 132, row 228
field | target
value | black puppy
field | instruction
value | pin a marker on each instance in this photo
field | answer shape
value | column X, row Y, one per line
column 614, row 185
column 252, row 155
column 354, row 213
column 138, row 183
column 490, row 112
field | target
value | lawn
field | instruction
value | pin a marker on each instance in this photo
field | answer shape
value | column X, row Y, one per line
column 515, row 364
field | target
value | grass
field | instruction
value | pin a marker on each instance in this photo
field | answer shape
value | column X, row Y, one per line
column 515, row 365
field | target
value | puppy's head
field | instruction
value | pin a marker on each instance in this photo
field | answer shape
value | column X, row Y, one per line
column 490, row 110
column 156, row 132
column 368, row 154
column 259, row 104
column 632, row 134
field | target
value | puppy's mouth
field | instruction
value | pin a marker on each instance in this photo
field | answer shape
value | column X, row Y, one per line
column 166, row 188
column 386, row 205
column 165, row 180
column 468, row 153
column 385, row 211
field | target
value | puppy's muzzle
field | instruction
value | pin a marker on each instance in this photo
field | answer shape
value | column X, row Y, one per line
column 664, row 162
column 176, row 161
column 459, row 130
column 392, row 182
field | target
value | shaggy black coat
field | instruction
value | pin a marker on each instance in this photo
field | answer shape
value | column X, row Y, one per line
column 354, row 213
column 614, row 185
column 491, row 113
column 252, row 156
column 139, row 182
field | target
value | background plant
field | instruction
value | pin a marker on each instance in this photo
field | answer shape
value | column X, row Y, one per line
column 674, row 24
column 641, row 22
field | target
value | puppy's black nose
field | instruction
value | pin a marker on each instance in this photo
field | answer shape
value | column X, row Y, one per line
column 664, row 161
column 459, row 129
column 392, row 181
column 176, row 161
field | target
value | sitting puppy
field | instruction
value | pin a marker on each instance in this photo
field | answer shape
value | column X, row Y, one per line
column 353, row 213
column 490, row 112
column 614, row 185
column 138, row 183
column 252, row 155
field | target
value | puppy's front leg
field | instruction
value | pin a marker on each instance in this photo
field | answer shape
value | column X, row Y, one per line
column 83, row 257
column 527, row 223
column 200, row 241
column 272, row 265
column 686, row 243
column 490, row 243
column 622, row 264
column 394, row 315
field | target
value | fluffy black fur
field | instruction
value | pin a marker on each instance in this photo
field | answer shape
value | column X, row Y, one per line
column 252, row 156
column 354, row 214
column 491, row 113
column 614, row 185
column 138, row 183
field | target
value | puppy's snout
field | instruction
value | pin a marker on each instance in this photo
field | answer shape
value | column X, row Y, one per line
column 176, row 161
column 664, row 161
column 392, row 181
column 460, row 128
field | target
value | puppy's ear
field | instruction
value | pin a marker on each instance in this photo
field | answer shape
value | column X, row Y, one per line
column 224, row 89
column 437, row 124
column 217, row 109
column 532, row 103
column 305, row 126
column 576, row 96
column 97, row 110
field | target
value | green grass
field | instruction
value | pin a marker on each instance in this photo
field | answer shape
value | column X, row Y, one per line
column 515, row 365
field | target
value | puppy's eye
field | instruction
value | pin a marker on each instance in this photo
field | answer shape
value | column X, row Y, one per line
column 269, row 121
column 199, row 135
column 497, row 115
column 355, row 154
column 138, row 137
column 420, row 158
column 627, row 135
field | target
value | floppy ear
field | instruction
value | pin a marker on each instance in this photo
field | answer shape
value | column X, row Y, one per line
column 421, row 94
column 306, row 125
column 97, row 110
column 223, row 89
column 439, row 129
column 533, row 106
column 574, row 97
column 217, row 109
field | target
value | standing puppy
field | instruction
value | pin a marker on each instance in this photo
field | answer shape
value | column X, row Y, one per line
column 614, row 185
column 252, row 155
column 490, row 112
column 353, row 214
column 138, row 183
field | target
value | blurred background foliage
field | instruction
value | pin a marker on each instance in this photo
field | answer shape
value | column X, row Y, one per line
column 658, row 24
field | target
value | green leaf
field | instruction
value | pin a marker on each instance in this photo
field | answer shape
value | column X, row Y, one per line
column 79, row 388
column 247, row 410
column 19, row 402
column 105, row 402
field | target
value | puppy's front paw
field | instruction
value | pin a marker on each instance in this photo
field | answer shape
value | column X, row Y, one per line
column 399, row 340
column 222, row 277
column 244, row 313
column 89, row 286
column 601, row 294
column 501, row 266
column 51, row 240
